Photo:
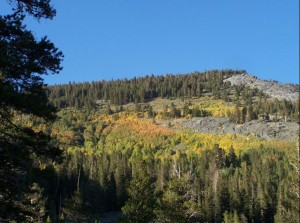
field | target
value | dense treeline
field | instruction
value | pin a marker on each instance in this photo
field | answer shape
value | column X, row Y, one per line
column 250, row 103
column 212, row 187
column 154, row 174
column 139, row 89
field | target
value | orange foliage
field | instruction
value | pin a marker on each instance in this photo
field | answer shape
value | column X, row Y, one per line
column 143, row 127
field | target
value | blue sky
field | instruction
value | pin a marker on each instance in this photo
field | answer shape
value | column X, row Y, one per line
column 111, row 39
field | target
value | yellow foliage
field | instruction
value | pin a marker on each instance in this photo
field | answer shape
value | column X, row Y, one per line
column 135, row 136
column 64, row 137
column 217, row 108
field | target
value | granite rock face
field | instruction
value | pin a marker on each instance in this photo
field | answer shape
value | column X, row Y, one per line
column 272, row 88
column 259, row 128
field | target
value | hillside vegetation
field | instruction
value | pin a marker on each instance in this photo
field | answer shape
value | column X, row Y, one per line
column 250, row 102
column 143, row 155
column 136, row 151
column 129, row 162
column 139, row 161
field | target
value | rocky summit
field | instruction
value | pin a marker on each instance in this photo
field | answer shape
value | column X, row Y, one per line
column 272, row 88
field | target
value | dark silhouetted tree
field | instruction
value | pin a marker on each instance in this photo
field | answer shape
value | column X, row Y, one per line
column 23, row 60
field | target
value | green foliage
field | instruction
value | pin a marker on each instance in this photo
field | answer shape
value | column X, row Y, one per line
column 141, row 198
column 240, row 103
column 118, row 161
column 165, row 175
column 288, row 190
column 139, row 90
column 178, row 202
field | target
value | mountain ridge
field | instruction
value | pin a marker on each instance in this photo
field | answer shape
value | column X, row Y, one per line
column 272, row 88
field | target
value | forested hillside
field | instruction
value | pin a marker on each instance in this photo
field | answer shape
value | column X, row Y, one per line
column 155, row 171
column 135, row 150
column 143, row 89
column 140, row 89
column 127, row 152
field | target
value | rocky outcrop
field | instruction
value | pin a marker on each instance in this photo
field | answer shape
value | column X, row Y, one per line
column 272, row 88
column 263, row 129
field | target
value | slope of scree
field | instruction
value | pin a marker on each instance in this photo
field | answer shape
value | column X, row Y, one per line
column 272, row 88
column 259, row 128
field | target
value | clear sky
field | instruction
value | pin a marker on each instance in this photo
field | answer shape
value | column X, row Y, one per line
column 111, row 39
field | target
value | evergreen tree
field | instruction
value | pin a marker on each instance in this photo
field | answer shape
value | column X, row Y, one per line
column 36, row 204
column 237, row 114
column 23, row 61
column 150, row 112
column 250, row 113
column 185, row 110
column 108, row 110
column 231, row 158
column 219, row 157
column 76, row 209
column 177, row 203
column 141, row 199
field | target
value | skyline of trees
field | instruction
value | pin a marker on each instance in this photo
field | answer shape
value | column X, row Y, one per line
column 250, row 104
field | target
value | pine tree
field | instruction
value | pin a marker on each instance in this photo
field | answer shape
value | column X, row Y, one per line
column 237, row 114
column 150, row 112
column 36, row 204
column 185, row 110
column 178, row 202
column 76, row 209
column 231, row 158
column 141, row 199
column 219, row 157
column 23, row 61
column 250, row 113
